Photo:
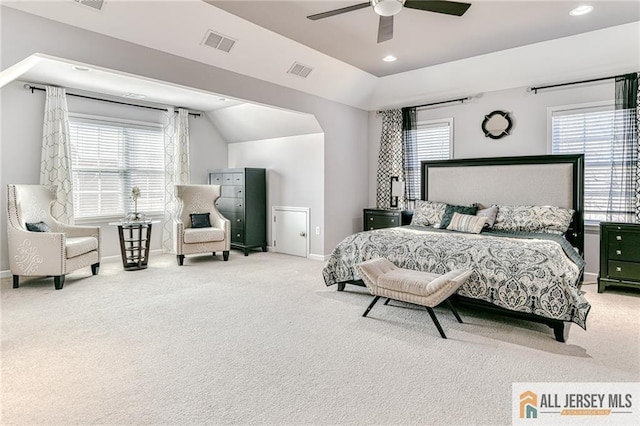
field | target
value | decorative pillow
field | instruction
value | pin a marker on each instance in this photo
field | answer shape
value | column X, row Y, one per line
column 545, row 219
column 490, row 214
column 427, row 213
column 37, row 227
column 451, row 209
column 467, row 223
column 200, row 220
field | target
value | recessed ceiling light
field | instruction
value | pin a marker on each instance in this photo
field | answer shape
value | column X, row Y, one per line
column 133, row 96
column 389, row 58
column 79, row 68
column 581, row 10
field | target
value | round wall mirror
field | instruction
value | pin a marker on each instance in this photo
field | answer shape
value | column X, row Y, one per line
column 496, row 125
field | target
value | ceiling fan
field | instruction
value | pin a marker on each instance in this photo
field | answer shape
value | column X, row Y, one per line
column 387, row 8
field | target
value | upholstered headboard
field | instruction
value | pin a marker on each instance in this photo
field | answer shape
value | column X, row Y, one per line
column 541, row 180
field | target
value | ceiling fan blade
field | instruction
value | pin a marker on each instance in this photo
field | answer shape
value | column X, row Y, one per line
column 338, row 11
column 446, row 7
column 385, row 28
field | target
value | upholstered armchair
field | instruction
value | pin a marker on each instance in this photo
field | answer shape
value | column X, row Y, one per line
column 199, row 227
column 39, row 244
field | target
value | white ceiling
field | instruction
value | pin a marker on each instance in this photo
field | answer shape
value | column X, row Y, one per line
column 422, row 39
column 179, row 27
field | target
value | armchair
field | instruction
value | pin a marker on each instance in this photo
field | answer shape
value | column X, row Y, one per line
column 200, row 200
column 59, row 250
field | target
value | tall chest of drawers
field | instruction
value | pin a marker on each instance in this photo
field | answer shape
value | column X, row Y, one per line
column 243, row 200
column 619, row 255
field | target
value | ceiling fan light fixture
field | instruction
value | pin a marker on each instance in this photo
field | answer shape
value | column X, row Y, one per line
column 387, row 7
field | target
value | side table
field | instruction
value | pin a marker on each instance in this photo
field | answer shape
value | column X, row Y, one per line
column 135, row 240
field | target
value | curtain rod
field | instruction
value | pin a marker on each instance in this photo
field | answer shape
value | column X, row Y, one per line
column 32, row 88
column 535, row 89
column 461, row 100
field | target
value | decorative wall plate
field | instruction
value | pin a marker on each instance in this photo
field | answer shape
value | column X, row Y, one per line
column 496, row 124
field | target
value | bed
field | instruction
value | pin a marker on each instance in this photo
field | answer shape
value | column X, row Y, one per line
column 530, row 274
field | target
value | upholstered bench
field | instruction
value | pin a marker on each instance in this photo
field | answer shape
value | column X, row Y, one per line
column 384, row 279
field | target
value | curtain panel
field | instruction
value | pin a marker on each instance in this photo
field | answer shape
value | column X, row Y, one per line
column 410, row 154
column 55, row 159
column 390, row 161
column 625, row 169
column 176, row 154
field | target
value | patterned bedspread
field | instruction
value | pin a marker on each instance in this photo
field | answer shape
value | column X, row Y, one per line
column 534, row 273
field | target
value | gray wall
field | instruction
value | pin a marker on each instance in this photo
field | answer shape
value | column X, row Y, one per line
column 528, row 135
column 21, row 133
column 294, row 178
column 345, row 128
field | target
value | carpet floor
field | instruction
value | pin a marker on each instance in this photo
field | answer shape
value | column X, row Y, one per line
column 262, row 340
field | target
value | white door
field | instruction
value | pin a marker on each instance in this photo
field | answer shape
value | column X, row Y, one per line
column 290, row 231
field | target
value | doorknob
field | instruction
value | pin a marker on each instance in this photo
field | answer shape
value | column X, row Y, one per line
column 303, row 234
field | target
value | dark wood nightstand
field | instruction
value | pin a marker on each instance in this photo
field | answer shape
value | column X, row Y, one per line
column 619, row 255
column 385, row 218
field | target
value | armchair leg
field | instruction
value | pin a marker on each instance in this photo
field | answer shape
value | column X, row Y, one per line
column 16, row 281
column 95, row 268
column 58, row 281
column 180, row 259
column 225, row 255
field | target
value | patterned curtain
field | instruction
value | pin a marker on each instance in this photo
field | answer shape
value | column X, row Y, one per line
column 638, row 146
column 176, row 154
column 624, row 172
column 55, row 160
column 390, row 157
column 410, row 154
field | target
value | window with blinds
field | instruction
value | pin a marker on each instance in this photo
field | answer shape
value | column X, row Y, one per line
column 108, row 158
column 434, row 140
column 596, row 131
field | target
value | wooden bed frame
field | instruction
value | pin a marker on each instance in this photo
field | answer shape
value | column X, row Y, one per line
column 556, row 180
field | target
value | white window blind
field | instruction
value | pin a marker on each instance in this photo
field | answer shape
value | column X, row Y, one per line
column 593, row 131
column 107, row 159
column 433, row 142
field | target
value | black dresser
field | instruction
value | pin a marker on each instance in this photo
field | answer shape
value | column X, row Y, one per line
column 619, row 255
column 385, row 218
column 243, row 200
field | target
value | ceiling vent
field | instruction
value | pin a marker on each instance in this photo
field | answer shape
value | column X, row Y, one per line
column 94, row 4
column 218, row 41
column 300, row 70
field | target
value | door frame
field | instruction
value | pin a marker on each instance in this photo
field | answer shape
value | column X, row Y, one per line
column 274, row 224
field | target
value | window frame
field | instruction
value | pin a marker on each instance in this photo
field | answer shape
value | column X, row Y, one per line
column 424, row 123
column 591, row 225
column 117, row 121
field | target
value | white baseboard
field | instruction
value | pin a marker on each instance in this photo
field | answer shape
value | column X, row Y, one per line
column 320, row 257
column 590, row 278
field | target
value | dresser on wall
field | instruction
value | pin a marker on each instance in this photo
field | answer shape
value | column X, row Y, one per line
column 243, row 200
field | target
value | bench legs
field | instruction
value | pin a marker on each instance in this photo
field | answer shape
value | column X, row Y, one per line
column 432, row 314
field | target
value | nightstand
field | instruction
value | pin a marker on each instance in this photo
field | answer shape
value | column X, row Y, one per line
column 619, row 255
column 385, row 218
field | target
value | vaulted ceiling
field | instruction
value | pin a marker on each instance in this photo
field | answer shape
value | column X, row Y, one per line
column 494, row 45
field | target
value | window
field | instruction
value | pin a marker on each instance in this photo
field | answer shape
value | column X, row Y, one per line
column 593, row 130
column 433, row 142
column 108, row 158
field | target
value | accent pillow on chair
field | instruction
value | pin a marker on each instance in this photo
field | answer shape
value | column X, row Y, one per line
column 200, row 220
column 37, row 227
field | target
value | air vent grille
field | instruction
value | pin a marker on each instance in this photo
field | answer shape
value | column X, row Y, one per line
column 300, row 70
column 218, row 41
column 94, row 4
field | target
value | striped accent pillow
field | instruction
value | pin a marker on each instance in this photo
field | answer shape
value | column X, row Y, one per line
column 467, row 223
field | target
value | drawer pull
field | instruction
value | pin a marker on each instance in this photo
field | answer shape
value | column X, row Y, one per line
column 618, row 268
column 618, row 252
column 370, row 218
column 237, row 235
column 238, row 220
column 371, row 228
column 619, row 237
